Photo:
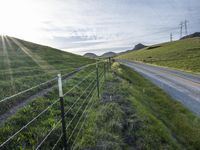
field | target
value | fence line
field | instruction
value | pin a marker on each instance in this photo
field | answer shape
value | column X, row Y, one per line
column 39, row 145
column 81, row 116
column 35, row 118
column 22, row 92
column 46, row 82
column 79, row 98
column 50, row 106
column 80, row 108
column 65, row 114
column 82, row 124
column 85, row 109
column 78, row 83
column 62, row 133
column 57, row 141
column 11, row 137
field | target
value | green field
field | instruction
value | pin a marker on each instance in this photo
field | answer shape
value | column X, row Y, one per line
column 182, row 55
column 24, row 64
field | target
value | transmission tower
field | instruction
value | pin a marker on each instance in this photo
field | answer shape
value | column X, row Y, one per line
column 181, row 29
column 171, row 37
column 185, row 24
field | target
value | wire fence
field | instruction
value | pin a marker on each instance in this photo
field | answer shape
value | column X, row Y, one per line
column 84, row 102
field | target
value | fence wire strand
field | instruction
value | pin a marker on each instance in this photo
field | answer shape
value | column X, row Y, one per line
column 48, row 107
column 65, row 114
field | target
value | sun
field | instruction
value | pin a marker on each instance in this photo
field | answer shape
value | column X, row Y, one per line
column 18, row 18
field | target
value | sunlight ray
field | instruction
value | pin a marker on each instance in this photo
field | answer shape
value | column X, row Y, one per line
column 8, row 42
column 37, row 59
column 7, row 62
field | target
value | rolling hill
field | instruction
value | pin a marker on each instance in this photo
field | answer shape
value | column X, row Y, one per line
column 24, row 64
column 90, row 55
column 182, row 54
column 108, row 54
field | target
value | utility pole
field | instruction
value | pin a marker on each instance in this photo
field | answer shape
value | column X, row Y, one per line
column 186, row 30
column 171, row 37
column 181, row 29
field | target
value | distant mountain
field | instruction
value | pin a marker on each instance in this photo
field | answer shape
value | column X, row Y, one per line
column 109, row 54
column 90, row 55
column 139, row 46
column 196, row 34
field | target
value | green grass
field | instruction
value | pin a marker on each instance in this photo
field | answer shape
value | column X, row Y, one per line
column 182, row 54
column 24, row 64
column 135, row 114
column 182, row 124
column 31, row 136
column 120, row 121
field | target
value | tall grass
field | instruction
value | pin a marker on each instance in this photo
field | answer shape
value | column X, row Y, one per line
column 182, row 54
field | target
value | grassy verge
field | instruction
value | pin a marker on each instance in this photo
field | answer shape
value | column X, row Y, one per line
column 135, row 114
column 182, row 54
column 183, row 125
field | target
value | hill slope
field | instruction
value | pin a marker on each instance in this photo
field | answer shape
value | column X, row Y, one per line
column 108, row 54
column 139, row 46
column 24, row 64
column 90, row 55
column 196, row 34
column 183, row 54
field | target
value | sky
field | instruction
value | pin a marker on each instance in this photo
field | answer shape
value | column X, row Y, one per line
column 97, row 26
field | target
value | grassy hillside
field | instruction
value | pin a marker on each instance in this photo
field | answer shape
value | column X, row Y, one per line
column 24, row 64
column 182, row 54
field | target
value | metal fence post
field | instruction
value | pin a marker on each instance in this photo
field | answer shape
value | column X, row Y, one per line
column 64, row 138
column 110, row 63
column 97, row 78
column 104, row 69
column 107, row 65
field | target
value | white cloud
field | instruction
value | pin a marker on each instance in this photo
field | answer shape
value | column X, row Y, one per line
column 81, row 25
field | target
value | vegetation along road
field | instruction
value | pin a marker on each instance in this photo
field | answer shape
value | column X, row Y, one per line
column 182, row 86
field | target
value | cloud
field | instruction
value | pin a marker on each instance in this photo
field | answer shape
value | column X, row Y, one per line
column 102, row 25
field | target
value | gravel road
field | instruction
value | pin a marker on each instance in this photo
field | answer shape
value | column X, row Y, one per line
column 182, row 86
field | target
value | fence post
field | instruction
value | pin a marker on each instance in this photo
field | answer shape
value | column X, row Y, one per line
column 97, row 78
column 104, row 69
column 110, row 63
column 64, row 138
